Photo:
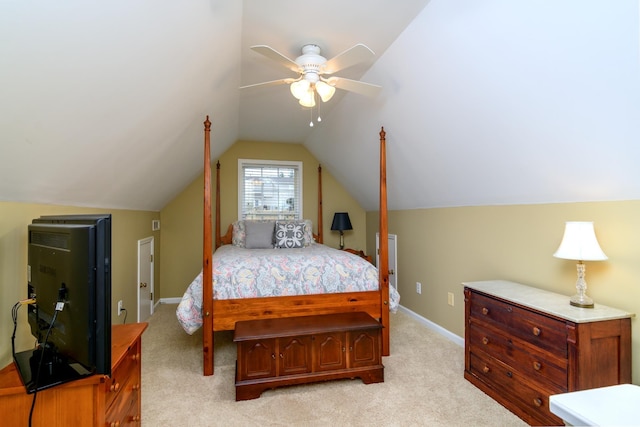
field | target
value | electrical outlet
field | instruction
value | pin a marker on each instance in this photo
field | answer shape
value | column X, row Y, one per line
column 119, row 307
column 418, row 287
column 450, row 298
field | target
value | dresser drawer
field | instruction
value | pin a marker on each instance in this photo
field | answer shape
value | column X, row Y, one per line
column 544, row 332
column 129, row 367
column 513, row 385
column 124, row 409
column 536, row 364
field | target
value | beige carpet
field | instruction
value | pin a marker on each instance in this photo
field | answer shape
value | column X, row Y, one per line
column 424, row 386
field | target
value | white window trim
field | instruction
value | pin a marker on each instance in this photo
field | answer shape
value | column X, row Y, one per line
column 243, row 162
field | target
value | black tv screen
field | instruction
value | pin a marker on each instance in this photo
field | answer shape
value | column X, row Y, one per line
column 69, row 275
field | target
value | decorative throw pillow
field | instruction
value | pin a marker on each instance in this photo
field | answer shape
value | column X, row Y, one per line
column 290, row 234
column 259, row 234
column 239, row 235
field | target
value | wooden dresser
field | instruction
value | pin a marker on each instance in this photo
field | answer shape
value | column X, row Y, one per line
column 298, row 350
column 97, row 400
column 524, row 344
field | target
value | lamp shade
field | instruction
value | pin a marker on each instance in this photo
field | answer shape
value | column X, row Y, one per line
column 341, row 222
column 299, row 88
column 325, row 91
column 579, row 243
column 308, row 99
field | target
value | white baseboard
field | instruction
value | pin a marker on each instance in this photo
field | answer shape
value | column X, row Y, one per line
column 175, row 300
column 434, row 326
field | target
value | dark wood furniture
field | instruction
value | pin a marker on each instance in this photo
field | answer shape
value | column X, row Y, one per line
column 97, row 400
column 524, row 344
column 298, row 350
column 222, row 315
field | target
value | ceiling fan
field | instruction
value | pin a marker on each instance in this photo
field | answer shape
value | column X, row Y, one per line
column 312, row 68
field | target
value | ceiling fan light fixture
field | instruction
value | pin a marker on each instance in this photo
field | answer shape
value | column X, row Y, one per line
column 325, row 91
column 300, row 88
column 309, row 99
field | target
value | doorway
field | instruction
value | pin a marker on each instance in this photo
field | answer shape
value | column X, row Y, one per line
column 393, row 258
column 145, row 278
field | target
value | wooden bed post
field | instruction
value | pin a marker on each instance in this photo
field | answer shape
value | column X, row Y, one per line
column 383, row 268
column 207, row 253
column 218, row 237
column 320, row 238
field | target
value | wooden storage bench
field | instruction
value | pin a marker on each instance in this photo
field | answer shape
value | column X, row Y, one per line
column 298, row 350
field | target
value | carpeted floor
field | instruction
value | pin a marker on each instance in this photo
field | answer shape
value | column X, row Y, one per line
column 424, row 386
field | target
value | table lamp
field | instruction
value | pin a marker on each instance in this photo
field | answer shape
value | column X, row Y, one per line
column 340, row 223
column 579, row 243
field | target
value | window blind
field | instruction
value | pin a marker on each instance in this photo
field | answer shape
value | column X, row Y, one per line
column 270, row 190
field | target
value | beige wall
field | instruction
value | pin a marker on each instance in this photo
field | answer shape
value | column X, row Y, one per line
column 127, row 228
column 443, row 247
column 182, row 217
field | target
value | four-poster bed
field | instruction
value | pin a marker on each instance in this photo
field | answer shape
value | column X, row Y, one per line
column 222, row 314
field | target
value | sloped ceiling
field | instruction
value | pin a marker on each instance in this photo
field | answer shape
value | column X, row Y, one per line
column 483, row 101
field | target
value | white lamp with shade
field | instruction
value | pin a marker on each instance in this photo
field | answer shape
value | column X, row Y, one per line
column 579, row 243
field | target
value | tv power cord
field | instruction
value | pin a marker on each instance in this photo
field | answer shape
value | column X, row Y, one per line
column 125, row 314
column 59, row 307
column 14, row 317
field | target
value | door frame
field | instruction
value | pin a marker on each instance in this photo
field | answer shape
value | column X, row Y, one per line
column 392, row 255
column 150, row 261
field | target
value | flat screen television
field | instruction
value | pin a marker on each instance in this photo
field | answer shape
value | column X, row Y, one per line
column 69, row 275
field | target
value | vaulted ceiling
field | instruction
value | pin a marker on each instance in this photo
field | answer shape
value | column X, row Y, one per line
column 483, row 101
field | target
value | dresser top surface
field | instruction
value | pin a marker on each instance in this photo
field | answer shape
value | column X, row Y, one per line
column 546, row 301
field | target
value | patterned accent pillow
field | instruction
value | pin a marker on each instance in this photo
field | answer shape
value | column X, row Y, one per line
column 239, row 234
column 290, row 234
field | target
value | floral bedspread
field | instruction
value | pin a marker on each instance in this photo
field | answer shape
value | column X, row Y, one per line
column 252, row 273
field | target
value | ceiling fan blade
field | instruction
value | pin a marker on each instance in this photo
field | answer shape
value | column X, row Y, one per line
column 270, row 83
column 274, row 55
column 352, row 56
column 355, row 86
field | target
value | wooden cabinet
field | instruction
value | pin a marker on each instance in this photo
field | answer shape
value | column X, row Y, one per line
column 524, row 344
column 122, row 389
column 298, row 350
column 97, row 400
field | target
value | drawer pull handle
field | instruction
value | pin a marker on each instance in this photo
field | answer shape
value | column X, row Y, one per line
column 486, row 369
column 485, row 311
column 135, row 387
column 537, row 366
column 485, row 340
column 273, row 356
column 537, row 401
column 135, row 418
column 536, row 331
column 115, row 424
column 114, row 387
column 135, row 357
column 281, row 356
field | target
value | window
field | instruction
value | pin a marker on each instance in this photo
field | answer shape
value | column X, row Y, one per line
column 269, row 189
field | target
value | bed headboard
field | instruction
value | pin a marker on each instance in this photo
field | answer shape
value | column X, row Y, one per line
column 225, row 239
